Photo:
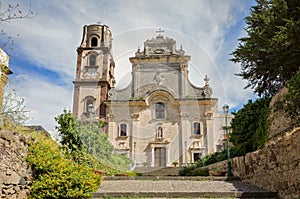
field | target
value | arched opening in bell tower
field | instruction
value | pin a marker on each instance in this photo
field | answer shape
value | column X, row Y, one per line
column 94, row 42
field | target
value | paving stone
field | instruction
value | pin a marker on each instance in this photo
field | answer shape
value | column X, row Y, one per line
column 156, row 188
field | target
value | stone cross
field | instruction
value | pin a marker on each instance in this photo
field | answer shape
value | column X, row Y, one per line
column 206, row 79
column 159, row 32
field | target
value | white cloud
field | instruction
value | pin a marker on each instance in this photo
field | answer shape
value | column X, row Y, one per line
column 43, row 100
column 204, row 28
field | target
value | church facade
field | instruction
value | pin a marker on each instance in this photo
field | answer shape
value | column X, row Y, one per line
column 160, row 117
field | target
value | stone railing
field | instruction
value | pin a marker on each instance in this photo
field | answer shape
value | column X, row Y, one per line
column 15, row 173
column 276, row 167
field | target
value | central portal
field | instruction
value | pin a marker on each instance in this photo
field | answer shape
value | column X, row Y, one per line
column 160, row 157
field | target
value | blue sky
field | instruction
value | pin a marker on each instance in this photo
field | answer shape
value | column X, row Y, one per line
column 44, row 55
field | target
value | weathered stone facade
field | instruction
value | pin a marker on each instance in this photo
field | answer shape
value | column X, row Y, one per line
column 15, row 173
column 160, row 117
column 94, row 73
column 276, row 167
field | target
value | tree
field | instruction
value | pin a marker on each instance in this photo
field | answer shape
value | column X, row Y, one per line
column 97, row 144
column 8, row 13
column 290, row 102
column 13, row 11
column 292, row 99
column 80, row 138
column 270, row 54
column 68, row 130
column 95, row 141
column 250, row 127
column 13, row 112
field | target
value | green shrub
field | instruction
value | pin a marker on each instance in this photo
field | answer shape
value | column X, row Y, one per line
column 55, row 176
column 195, row 169
column 185, row 171
column 199, row 172
column 290, row 102
column 212, row 158
column 78, row 137
column 250, row 126
column 91, row 161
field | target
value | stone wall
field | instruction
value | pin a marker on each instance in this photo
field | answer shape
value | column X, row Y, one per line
column 276, row 167
column 279, row 123
column 15, row 173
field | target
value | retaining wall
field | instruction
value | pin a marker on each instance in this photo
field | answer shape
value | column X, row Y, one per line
column 276, row 167
column 15, row 173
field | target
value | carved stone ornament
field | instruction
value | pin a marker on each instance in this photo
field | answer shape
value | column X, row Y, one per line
column 134, row 116
column 160, row 99
column 159, row 77
column 110, row 116
column 111, row 93
column 207, row 91
column 184, row 115
column 209, row 114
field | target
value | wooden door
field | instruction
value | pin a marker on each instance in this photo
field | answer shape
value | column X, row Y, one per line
column 160, row 157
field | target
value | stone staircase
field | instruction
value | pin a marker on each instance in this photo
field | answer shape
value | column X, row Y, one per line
column 157, row 171
column 163, row 183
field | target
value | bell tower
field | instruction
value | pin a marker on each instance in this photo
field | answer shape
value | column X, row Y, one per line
column 94, row 73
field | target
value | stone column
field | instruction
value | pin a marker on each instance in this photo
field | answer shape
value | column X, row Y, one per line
column 135, row 81
column 152, row 156
column 183, row 80
column 4, row 71
column 186, row 133
column 3, row 81
column 133, row 134
column 168, row 156
column 180, row 143
column 209, row 133
column 112, row 129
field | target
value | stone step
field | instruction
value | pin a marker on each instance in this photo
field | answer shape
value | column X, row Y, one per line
column 158, row 171
column 146, row 169
column 174, row 187
column 187, row 195
column 173, row 178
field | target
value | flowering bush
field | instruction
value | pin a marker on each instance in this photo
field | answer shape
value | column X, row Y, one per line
column 55, row 176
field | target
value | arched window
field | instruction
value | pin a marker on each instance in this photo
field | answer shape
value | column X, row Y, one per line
column 89, row 103
column 92, row 60
column 94, row 42
column 123, row 129
column 160, row 110
column 196, row 128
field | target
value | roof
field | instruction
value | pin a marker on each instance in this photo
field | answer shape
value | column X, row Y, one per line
column 38, row 128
